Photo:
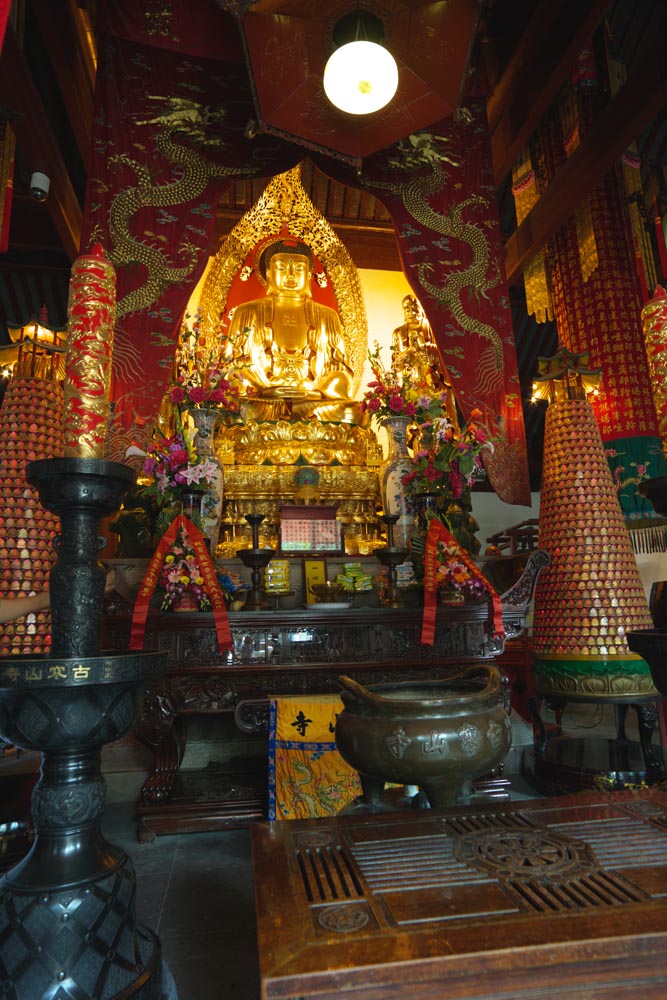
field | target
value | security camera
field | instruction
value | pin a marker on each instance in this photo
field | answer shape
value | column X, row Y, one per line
column 39, row 186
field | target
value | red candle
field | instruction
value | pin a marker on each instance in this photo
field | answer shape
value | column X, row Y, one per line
column 91, row 319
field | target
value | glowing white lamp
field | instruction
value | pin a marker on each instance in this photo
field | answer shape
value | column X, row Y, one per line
column 360, row 77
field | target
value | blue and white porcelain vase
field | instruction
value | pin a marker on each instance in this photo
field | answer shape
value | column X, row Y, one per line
column 395, row 466
column 206, row 421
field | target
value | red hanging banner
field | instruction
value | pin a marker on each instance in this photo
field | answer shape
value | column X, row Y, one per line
column 192, row 535
column 7, row 151
column 437, row 532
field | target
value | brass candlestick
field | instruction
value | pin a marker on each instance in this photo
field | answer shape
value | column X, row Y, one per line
column 256, row 559
column 392, row 557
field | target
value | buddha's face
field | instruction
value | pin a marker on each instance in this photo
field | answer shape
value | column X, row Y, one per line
column 411, row 309
column 289, row 274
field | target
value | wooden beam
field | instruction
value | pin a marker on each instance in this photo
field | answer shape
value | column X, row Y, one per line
column 71, row 67
column 505, row 88
column 371, row 245
column 556, row 34
column 38, row 143
column 641, row 97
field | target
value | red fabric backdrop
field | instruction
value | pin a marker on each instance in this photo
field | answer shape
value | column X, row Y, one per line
column 4, row 17
column 442, row 200
column 169, row 135
column 168, row 138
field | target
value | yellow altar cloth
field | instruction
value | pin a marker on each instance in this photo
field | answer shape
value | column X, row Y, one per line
column 307, row 775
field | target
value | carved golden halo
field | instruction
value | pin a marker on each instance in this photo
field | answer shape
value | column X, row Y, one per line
column 285, row 202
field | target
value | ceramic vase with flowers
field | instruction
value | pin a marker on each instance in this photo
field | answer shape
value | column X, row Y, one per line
column 172, row 476
column 206, row 422
column 396, row 465
column 211, row 395
column 400, row 404
column 445, row 464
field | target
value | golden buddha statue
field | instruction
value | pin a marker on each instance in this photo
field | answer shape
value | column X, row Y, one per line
column 413, row 344
column 289, row 348
column 415, row 352
column 302, row 362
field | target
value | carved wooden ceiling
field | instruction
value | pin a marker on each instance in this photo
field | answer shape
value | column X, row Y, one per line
column 526, row 48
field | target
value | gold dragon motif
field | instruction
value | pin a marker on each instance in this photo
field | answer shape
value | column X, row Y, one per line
column 414, row 193
column 190, row 121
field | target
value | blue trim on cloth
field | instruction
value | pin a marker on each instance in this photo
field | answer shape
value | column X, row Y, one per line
column 273, row 719
column 274, row 745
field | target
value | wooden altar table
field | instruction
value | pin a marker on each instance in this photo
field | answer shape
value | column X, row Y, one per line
column 549, row 898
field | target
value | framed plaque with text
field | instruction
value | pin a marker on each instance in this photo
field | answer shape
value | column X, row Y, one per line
column 311, row 528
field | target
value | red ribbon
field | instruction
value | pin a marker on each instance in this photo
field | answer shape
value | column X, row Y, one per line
column 437, row 532
column 192, row 535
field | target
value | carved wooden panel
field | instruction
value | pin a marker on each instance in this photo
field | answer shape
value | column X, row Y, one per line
column 490, row 902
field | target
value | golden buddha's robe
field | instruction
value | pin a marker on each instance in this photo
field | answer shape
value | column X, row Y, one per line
column 292, row 352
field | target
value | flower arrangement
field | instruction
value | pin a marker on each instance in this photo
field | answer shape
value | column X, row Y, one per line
column 395, row 394
column 233, row 588
column 453, row 576
column 173, row 469
column 447, row 461
column 180, row 575
column 201, row 381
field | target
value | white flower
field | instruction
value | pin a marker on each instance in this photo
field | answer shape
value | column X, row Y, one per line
column 192, row 474
column 209, row 470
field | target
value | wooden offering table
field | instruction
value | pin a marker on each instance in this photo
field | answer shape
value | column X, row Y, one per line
column 278, row 653
column 545, row 898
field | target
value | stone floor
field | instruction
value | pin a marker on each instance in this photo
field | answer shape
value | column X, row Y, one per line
column 196, row 890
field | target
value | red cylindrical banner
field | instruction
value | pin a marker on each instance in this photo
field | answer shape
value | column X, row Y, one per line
column 91, row 317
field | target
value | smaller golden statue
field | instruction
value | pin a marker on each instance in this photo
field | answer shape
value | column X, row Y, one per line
column 415, row 353
column 289, row 348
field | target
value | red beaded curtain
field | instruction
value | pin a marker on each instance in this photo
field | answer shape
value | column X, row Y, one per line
column 172, row 107
column 602, row 315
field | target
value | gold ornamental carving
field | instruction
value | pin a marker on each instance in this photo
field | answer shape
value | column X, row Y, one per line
column 598, row 687
column 285, row 442
column 286, row 203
